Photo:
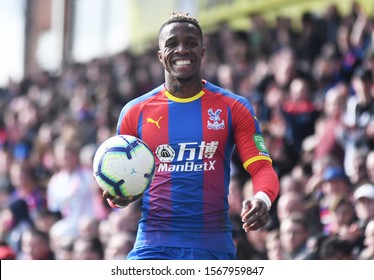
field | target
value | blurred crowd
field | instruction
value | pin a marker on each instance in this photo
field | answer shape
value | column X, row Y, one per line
column 312, row 88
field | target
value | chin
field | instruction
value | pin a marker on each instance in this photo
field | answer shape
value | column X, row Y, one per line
column 184, row 79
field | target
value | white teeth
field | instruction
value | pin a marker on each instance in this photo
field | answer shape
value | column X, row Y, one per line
column 183, row 62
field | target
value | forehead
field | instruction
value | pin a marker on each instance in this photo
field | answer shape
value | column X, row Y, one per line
column 291, row 225
column 176, row 29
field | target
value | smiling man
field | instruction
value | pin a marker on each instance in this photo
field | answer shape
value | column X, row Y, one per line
column 192, row 127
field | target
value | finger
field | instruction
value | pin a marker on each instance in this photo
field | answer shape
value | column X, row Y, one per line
column 252, row 227
column 138, row 196
column 249, row 213
column 245, row 209
column 246, row 205
column 257, row 211
column 119, row 199
column 250, row 216
column 106, row 194
column 255, row 225
column 111, row 204
column 255, row 215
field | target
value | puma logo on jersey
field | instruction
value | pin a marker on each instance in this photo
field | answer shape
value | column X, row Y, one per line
column 150, row 120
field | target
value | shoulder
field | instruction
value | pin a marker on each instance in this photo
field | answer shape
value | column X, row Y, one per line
column 136, row 104
column 226, row 94
column 147, row 97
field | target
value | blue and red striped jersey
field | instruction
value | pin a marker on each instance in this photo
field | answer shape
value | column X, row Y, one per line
column 192, row 140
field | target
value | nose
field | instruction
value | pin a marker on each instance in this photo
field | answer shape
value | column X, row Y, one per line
column 181, row 48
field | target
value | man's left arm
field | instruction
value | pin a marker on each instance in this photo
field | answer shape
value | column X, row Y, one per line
column 255, row 213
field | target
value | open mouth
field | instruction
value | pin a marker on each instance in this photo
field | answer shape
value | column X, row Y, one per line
column 182, row 62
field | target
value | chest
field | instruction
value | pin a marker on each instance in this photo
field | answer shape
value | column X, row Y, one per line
column 188, row 130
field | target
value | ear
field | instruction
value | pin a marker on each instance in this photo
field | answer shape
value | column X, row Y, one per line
column 159, row 54
column 202, row 51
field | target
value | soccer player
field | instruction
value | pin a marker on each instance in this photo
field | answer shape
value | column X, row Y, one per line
column 192, row 127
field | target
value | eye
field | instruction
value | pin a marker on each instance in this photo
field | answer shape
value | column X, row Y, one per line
column 193, row 44
column 170, row 44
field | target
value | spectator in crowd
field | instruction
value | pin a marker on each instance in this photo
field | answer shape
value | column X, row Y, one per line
column 334, row 248
column 288, row 184
column 20, row 121
column 274, row 249
column 250, row 246
column 119, row 245
column 42, row 157
column 300, row 114
column 330, row 124
column 256, row 241
column 126, row 219
column 363, row 199
column 331, row 22
column 35, row 246
column 358, row 115
column 359, row 174
column 368, row 252
column 72, row 190
column 88, row 248
column 313, row 183
column 342, row 215
column 324, row 72
column 14, row 220
column 290, row 203
column 310, row 41
column 335, row 184
column 88, row 227
column 294, row 235
column 105, row 231
column 26, row 187
column 364, row 204
column 6, row 252
column 61, row 246
column 5, row 184
column 45, row 219
column 369, row 164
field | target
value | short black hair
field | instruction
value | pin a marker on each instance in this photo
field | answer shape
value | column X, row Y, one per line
column 333, row 247
column 363, row 74
column 182, row 17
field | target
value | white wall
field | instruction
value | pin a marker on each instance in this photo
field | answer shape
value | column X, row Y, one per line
column 12, row 28
column 101, row 27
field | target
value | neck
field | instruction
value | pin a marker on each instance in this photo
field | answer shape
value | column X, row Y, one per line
column 184, row 88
